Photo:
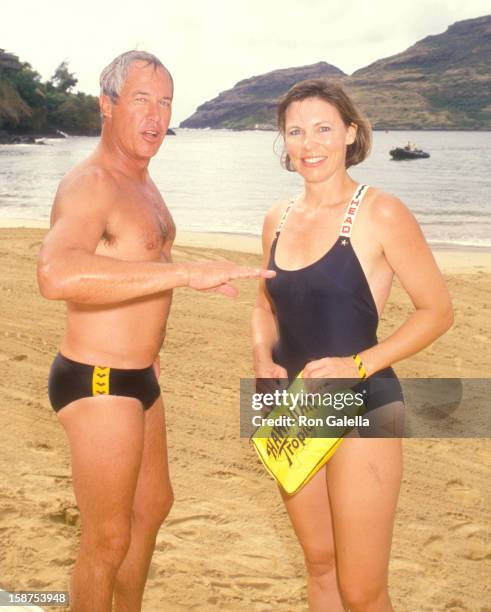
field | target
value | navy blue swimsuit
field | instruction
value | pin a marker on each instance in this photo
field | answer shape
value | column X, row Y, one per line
column 327, row 310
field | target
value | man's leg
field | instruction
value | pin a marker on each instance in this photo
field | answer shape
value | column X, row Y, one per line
column 106, row 442
column 153, row 500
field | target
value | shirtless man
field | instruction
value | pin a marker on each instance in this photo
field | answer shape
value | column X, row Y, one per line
column 108, row 255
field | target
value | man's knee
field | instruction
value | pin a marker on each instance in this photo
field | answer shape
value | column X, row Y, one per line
column 362, row 595
column 109, row 541
column 153, row 513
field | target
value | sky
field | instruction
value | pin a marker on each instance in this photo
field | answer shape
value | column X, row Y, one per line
column 209, row 45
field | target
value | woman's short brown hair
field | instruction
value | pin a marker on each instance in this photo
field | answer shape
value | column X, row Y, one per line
column 333, row 94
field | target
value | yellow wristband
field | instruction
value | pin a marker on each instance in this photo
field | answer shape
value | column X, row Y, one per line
column 361, row 368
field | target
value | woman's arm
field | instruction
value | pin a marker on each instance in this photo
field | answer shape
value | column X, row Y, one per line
column 412, row 261
column 409, row 256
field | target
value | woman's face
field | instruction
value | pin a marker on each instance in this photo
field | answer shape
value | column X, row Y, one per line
column 316, row 139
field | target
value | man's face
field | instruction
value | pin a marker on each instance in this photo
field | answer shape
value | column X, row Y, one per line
column 141, row 116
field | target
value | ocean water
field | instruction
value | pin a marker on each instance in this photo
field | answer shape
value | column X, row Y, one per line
column 224, row 181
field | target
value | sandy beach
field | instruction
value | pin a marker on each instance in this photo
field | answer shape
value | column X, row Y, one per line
column 227, row 544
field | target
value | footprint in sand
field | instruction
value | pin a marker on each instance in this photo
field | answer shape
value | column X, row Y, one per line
column 475, row 546
column 164, row 545
column 220, row 585
column 5, row 357
column 476, row 551
column 195, row 526
column 461, row 493
column 469, row 529
column 231, row 475
column 68, row 515
column 255, row 584
column 435, row 546
column 8, row 511
column 40, row 446
column 226, row 586
column 207, row 518
column 455, row 605
column 64, row 562
column 407, row 567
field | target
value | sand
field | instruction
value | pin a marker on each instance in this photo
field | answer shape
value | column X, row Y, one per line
column 227, row 544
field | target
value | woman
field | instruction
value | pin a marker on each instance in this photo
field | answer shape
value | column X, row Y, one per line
column 320, row 314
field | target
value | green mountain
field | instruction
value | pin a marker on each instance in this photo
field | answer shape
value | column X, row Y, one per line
column 29, row 106
column 441, row 82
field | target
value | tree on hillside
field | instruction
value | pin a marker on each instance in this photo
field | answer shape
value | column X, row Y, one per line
column 28, row 84
column 63, row 80
column 77, row 114
column 28, row 105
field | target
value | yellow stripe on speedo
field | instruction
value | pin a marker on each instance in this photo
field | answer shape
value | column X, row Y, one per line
column 100, row 381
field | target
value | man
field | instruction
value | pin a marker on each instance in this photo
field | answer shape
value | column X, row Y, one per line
column 108, row 255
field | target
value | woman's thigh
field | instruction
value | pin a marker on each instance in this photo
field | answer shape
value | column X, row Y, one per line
column 310, row 514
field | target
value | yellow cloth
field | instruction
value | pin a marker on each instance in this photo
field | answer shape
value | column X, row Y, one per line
column 286, row 451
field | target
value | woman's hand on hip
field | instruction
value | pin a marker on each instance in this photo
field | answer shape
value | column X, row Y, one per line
column 331, row 367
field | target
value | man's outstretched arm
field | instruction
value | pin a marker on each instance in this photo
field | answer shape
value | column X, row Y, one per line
column 69, row 269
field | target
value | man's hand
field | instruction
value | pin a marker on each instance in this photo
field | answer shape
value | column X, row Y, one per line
column 216, row 276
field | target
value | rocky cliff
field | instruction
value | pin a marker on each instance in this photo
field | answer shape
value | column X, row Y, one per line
column 441, row 82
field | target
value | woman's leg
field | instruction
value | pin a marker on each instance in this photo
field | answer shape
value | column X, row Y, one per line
column 364, row 477
column 311, row 518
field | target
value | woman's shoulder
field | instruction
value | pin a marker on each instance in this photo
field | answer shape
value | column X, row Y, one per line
column 272, row 221
column 275, row 213
column 388, row 219
column 385, row 208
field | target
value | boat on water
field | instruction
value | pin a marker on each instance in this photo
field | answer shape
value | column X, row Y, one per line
column 410, row 151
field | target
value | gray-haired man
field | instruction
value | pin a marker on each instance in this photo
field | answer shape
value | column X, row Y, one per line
column 108, row 255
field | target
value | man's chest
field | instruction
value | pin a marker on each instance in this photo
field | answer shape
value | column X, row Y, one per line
column 140, row 226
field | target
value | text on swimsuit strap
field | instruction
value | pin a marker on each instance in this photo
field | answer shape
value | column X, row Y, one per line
column 352, row 211
column 285, row 214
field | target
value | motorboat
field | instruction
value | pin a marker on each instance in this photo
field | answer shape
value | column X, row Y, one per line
column 410, row 151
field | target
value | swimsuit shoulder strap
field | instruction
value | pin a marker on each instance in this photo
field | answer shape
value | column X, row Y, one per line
column 352, row 210
column 285, row 215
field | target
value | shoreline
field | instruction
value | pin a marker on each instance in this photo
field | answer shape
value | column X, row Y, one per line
column 270, row 128
column 451, row 258
column 190, row 235
column 374, row 129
